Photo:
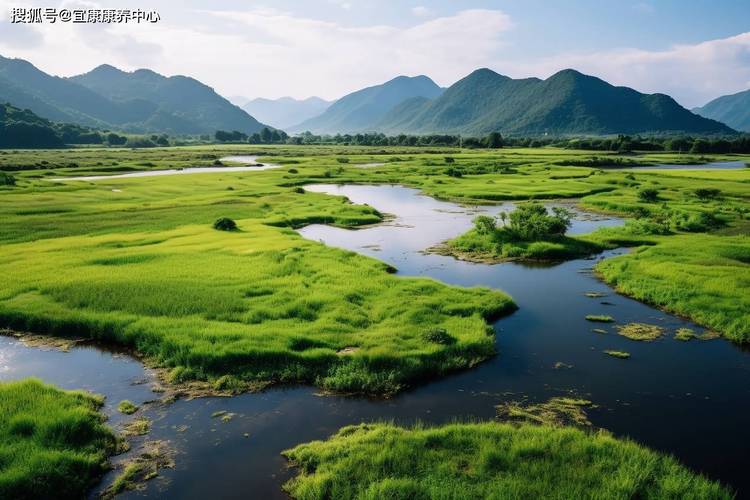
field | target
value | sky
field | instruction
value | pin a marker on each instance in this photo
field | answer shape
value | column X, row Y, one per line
column 692, row 50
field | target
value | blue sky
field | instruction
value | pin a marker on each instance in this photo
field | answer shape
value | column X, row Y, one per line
column 692, row 50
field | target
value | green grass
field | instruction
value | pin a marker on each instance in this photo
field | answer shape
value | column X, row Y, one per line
column 137, row 262
column 127, row 407
column 500, row 246
column 53, row 443
column 617, row 354
column 487, row 460
column 599, row 318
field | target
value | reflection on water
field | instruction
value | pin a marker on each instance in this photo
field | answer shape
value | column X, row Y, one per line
column 179, row 171
column 687, row 398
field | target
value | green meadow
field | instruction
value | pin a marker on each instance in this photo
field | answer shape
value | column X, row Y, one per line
column 487, row 460
column 137, row 262
column 53, row 443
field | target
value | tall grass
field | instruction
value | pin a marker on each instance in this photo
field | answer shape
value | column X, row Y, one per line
column 53, row 443
column 487, row 460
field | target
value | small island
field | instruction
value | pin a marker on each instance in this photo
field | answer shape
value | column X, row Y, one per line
column 528, row 233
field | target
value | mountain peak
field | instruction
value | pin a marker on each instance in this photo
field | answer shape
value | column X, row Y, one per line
column 106, row 69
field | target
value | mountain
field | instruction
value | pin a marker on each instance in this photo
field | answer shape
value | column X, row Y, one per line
column 142, row 101
column 286, row 111
column 568, row 102
column 362, row 109
column 734, row 110
column 179, row 104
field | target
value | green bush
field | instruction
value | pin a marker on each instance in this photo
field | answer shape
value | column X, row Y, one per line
column 225, row 224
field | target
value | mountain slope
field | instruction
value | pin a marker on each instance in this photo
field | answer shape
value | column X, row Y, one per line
column 182, row 104
column 734, row 110
column 361, row 110
column 568, row 102
column 106, row 97
column 286, row 111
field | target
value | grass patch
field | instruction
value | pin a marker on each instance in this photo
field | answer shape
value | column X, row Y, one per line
column 640, row 331
column 53, row 443
column 126, row 407
column 559, row 411
column 599, row 318
column 487, row 460
column 617, row 354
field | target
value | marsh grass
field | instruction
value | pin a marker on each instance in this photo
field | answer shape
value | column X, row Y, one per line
column 53, row 443
column 617, row 354
column 599, row 318
column 127, row 407
column 640, row 331
column 487, row 460
column 558, row 411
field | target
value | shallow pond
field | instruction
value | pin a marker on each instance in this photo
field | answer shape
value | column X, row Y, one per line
column 249, row 160
column 688, row 398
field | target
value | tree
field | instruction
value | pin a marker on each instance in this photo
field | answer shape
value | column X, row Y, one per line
column 485, row 224
column 494, row 140
column 531, row 222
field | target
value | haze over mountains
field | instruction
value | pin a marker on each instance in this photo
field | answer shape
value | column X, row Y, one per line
column 363, row 109
column 106, row 97
column 285, row 112
column 567, row 103
column 734, row 110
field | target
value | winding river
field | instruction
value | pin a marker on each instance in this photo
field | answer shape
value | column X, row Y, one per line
column 687, row 398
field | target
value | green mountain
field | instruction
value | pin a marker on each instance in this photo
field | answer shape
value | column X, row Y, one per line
column 361, row 110
column 734, row 110
column 568, row 102
column 140, row 102
column 286, row 111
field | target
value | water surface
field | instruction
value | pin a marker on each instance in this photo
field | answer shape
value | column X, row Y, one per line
column 180, row 171
column 690, row 399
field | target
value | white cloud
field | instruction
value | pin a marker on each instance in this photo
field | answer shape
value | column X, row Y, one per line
column 422, row 11
column 271, row 53
column 692, row 74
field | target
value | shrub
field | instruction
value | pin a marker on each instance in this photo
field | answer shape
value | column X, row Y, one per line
column 531, row 221
column 225, row 224
column 706, row 194
column 342, row 160
column 7, row 179
column 485, row 225
column 648, row 195
column 454, row 172
column 450, row 159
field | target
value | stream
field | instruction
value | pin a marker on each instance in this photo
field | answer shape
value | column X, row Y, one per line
column 690, row 399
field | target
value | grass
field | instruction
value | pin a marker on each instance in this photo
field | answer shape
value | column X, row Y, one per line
column 126, row 407
column 599, row 318
column 617, row 354
column 137, row 262
column 53, row 443
column 487, row 460
column 640, row 331
column 558, row 411
column 500, row 246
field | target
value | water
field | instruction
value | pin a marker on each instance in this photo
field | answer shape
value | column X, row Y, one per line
column 183, row 171
column 686, row 398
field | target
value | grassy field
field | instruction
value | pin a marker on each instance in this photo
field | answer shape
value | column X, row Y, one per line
column 53, row 443
column 487, row 460
column 137, row 262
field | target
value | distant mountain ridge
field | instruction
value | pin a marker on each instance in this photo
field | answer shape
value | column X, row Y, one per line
column 360, row 110
column 106, row 97
column 568, row 102
column 734, row 110
column 286, row 111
